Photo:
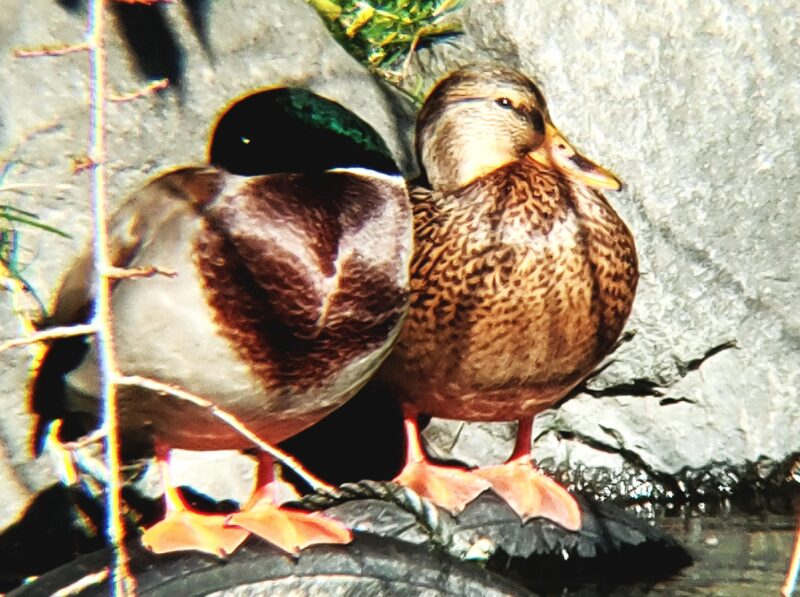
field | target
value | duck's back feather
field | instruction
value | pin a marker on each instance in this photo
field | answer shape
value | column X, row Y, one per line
column 290, row 290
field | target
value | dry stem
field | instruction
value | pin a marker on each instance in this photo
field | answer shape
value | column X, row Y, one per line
column 19, row 296
column 139, row 272
column 147, row 90
column 122, row 581
column 52, row 51
column 228, row 419
column 95, row 578
column 68, row 331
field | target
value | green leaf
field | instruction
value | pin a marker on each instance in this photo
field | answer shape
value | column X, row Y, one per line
column 30, row 219
column 382, row 34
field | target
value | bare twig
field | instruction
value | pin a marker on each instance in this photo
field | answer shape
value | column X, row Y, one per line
column 147, row 2
column 62, row 455
column 77, row 587
column 139, row 272
column 93, row 437
column 230, row 420
column 147, row 90
column 20, row 292
column 52, row 51
column 122, row 581
column 81, row 163
column 87, row 329
column 23, row 187
column 69, row 331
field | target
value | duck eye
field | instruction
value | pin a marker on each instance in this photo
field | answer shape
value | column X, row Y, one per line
column 504, row 102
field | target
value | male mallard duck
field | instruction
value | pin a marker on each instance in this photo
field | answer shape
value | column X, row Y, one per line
column 522, row 279
column 290, row 290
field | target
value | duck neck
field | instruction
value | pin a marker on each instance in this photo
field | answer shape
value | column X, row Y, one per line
column 454, row 155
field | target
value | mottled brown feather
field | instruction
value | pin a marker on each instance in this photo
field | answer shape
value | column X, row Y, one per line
column 520, row 284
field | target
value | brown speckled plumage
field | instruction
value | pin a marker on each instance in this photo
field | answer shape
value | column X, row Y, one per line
column 520, row 284
column 523, row 276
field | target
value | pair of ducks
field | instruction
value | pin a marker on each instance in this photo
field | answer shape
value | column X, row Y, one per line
column 292, row 289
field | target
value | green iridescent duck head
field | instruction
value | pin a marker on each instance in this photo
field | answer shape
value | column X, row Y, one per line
column 291, row 129
column 481, row 118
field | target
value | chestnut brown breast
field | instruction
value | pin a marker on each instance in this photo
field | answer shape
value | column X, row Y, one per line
column 521, row 283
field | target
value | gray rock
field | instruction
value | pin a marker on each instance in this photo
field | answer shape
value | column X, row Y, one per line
column 693, row 105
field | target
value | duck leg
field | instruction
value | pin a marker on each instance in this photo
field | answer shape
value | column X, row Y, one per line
column 529, row 492
column 289, row 529
column 185, row 529
column 448, row 487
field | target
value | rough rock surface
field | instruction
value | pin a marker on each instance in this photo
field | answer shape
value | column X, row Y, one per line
column 694, row 105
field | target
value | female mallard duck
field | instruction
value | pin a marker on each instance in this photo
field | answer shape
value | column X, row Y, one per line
column 522, row 279
column 290, row 290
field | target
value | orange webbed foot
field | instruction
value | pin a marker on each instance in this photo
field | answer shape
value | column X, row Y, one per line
column 289, row 529
column 530, row 493
column 448, row 487
column 183, row 529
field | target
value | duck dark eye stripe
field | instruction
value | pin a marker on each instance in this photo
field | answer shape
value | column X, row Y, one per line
column 537, row 120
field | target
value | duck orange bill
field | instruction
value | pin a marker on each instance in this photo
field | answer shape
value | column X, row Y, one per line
column 556, row 151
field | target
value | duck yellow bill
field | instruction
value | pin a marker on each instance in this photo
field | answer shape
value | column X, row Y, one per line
column 556, row 151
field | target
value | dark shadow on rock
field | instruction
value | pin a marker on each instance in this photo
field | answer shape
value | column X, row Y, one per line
column 198, row 17
column 404, row 118
column 151, row 41
column 65, row 523
column 74, row 6
column 48, row 399
column 48, row 535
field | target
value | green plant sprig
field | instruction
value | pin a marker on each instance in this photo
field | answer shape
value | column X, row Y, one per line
column 383, row 34
column 10, row 218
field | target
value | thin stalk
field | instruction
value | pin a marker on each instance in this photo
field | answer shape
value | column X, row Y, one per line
column 70, row 331
column 122, row 581
column 230, row 420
